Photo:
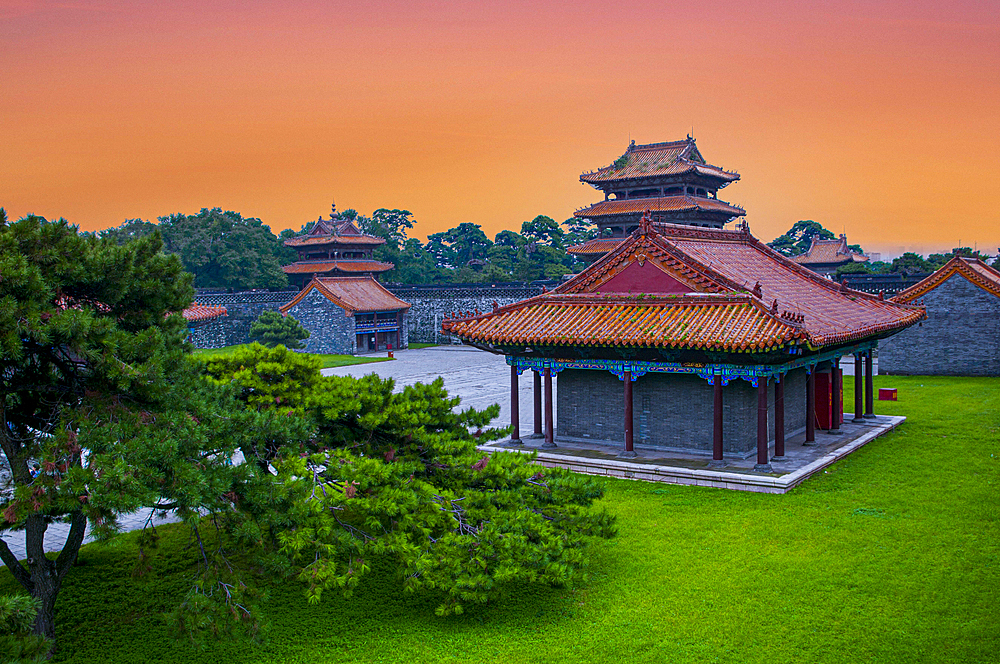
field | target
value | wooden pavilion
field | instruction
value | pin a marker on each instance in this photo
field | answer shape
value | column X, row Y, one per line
column 697, row 325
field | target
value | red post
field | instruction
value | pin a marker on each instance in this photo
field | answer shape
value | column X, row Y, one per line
column 779, row 420
column 763, row 465
column 537, row 390
column 549, row 435
column 869, row 387
column 515, row 419
column 859, row 414
column 717, row 422
column 811, row 408
column 629, row 450
column 837, row 398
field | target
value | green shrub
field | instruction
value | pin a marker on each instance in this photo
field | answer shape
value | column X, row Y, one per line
column 272, row 329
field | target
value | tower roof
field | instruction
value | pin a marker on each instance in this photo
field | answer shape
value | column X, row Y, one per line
column 659, row 204
column 658, row 160
column 334, row 230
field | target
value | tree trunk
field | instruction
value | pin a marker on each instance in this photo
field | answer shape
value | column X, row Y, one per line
column 46, row 576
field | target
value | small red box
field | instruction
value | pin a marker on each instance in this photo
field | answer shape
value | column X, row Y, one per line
column 887, row 394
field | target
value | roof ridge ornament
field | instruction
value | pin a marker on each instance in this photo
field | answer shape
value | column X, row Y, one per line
column 646, row 223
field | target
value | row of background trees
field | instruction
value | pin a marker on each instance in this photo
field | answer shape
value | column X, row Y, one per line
column 800, row 236
column 225, row 250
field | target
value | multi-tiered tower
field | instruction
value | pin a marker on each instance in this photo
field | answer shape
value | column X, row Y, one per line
column 334, row 247
column 671, row 180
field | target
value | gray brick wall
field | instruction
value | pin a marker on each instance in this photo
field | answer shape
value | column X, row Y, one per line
column 242, row 309
column 331, row 330
column 422, row 324
column 431, row 304
column 961, row 336
column 671, row 411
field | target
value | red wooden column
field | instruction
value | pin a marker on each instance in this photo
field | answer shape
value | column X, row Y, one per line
column 869, row 387
column 549, row 437
column 763, row 465
column 717, row 423
column 859, row 414
column 629, row 449
column 811, row 408
column 537, row 391
column 779, row 420
column 837, row 398
column 515, row 419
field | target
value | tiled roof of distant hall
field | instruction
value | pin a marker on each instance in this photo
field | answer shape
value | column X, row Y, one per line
column 201, row 312
column 829, row 252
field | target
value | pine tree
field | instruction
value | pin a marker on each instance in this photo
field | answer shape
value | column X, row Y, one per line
column 272, row 329
column 98, row 390
column 399, row 474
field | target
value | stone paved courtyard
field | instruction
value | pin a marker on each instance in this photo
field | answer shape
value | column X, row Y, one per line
column 478, row 377
column 481, row 379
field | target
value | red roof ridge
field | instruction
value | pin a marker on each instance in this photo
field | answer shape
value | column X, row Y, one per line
column 973, row 269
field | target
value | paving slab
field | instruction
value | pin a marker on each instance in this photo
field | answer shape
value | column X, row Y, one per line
column 656, row 465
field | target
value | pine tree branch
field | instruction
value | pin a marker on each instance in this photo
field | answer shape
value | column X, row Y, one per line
column 15, row 567
column 71, row 548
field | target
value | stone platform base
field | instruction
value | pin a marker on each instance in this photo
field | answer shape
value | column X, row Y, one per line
column 799, row 464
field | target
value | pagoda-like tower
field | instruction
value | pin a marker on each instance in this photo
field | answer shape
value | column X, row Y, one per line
column 334, row 247
column 671, row 180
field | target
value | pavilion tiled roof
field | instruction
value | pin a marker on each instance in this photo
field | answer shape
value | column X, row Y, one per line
column 734, row 322
column 197, row 313
column 829, row 251
column 973, row 269
column 318, row 267
column 353, row 294
column 790, row 303
column 659, row 204
column 658, row 159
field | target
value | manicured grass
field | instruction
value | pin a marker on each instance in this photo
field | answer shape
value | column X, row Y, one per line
column 891, row 555
column 325, row 360
column 416, row 346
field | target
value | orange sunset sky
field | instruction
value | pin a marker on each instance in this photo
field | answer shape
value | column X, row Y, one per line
column 881, row 119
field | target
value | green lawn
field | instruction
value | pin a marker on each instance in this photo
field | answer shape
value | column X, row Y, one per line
column 325, row 360
column 416, row 346
column 891, row 555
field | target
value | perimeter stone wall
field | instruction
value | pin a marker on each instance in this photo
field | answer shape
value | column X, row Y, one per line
column 671, row 411
column 961, row 336
column 242, row 309
column 430, row 304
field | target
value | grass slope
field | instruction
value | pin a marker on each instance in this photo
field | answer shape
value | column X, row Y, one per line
column 326, row 360
column 890, row 556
